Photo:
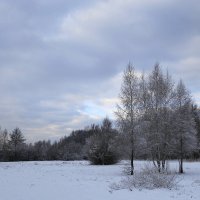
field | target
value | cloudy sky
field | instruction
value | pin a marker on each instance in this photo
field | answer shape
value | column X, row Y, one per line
column 61, row 60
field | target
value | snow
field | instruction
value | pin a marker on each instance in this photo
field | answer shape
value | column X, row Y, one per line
column 73, row 180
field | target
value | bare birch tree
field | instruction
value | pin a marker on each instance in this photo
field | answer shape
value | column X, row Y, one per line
column 128, row 110
column 158, row 93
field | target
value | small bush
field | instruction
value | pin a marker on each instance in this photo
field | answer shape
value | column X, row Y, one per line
column 148, row 178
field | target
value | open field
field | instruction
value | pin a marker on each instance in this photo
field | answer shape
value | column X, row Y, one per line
column 57, row 180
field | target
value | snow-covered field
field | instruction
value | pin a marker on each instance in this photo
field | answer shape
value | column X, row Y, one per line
column 57, row 180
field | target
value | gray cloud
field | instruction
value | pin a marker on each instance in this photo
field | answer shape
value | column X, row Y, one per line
column 60, row 61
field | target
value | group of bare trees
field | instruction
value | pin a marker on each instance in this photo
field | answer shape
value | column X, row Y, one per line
column 155, row 114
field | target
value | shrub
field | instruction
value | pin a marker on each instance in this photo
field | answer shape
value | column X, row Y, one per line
column 148, row 178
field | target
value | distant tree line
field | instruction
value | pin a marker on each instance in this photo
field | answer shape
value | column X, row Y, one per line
column 96, row 143
column 156, row 119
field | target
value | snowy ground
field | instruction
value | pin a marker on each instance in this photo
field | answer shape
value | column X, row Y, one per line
column 58, row 180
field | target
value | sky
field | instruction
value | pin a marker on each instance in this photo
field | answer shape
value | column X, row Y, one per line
column 61, row 61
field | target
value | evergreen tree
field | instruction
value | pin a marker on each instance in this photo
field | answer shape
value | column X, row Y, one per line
column 102, row 148
column 196, row 116
column 16, row 141
column 184, row 126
